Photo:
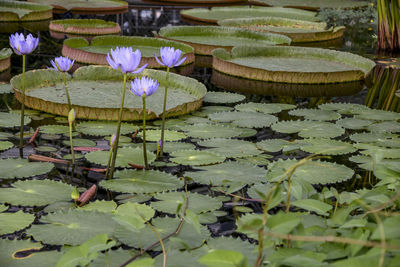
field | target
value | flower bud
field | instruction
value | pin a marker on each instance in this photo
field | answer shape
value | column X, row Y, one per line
column 71, row 116
column 75, row 194
column 112, row 140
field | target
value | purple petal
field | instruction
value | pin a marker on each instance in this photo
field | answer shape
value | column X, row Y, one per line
column 159, row 62
column 180, row 62
column 140, row 69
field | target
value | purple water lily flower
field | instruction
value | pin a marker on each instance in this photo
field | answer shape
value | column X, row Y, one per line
column 62, row 64
column 170, row 57
column 144, row 85
column 125, row 60
column 22, row 46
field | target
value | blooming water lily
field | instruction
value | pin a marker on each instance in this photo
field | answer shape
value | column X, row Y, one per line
column 63, row 64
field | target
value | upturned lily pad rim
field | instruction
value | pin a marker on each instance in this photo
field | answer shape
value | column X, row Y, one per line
column 304, row 36
column 5, row 55
column 362, row 66
column 169, row 32
column 38, row 11
column 195, row 3
column 306, row 6
column 83, row 73
column 81, row 26
column 72, row 47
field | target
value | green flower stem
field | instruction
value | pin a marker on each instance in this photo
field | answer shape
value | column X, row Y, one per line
column 66, row 91
column 21, row 130
column 163, row 114
column 109, row 159
column 146, row 164
column 110, row 173
column 72, row 149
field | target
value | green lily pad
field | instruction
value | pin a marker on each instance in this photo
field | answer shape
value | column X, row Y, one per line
column 50, row 137
column 313, row 4
column 372, row 137
column 54, row 129
column 87, row 6
column 175, row 146
column 5, row 88
column 5, row 135
column 247, row 132
column 344, row 108
column 230, row 148
column 72, row 227
column 24, row 11
column 207, row 131
column 327, row 147
column 262, row 159
column 85, row 26
column 198, row 203
column 46, row 149
column 22, row 168
column 379, row 115
column 315, row 114
column 125, row 156
column 12, row 222
column 205, row 111
column 309, row 129
column 353, row 123
column 219, row 13
column 80, row 142
column 169, row 135
column 104, row 128
column 141, row 182
column 204, row 39
column 384, row 127
column 244, row 119
column 196, row 157
column 272, row 145
column 4, row 145
column 100, row 99
column 269, row 108
column 11, row 120
column 223, row 97
column 228, row 173
column 100, row 206
column 313, row 171
column 289, row 64
column 36, row 193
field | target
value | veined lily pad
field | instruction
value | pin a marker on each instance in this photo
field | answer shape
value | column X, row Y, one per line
column 100, row 99
column 384, row 127
column 36, row 193
column 85, row 26
column 5, row 63
column 299, row 31
column 244, row 119
column 215, row 14
column 22, row 168
column 309, row 129
column 379, row 115
column 54, row 129
column 104, row 128
column 196, row 157
column 327, row 147
column 142, row 181
column 87, row 6
column 231, row 148
column 272, row 145
column 4, row 145
column 312, row 4
column 315, row 114
column 223, row 97
column 292, row 64
column 23, row 11
column 125, row 156
column 72, row 227
column 80, row 142
column 10, row 120
column 353, row 123
column 169, row 135
column 313, row 171
column 96, row 51
column 175, row 146
column 344, row 108
column 11, row 222
column 204, row 39
column 372, row 137
column 228, row 173
column 207, row 131
column 207, row 110
column 263, row 107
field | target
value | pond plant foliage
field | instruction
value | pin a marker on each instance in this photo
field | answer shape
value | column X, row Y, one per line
column 24, row 11
column 85, row 26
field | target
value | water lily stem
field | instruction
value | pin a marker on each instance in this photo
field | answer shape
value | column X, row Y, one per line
column 110, row 173
column 72, row 150
column 163, row 114
column 21, row 130
column 109, row 159
column 146, row 164
column 66, row 91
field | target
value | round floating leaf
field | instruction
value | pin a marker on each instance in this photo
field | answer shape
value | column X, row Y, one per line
column 5, row 145
column 5, row 136
column 171, row 123
column 195, row 157
column 327, row 147
column 22, row 168
column 6, row 88
column 205, row 111
column 231, row 148
column 353, row 123
column 247, row 132
column 54, row 129
column 155, row 135
column 8, row 248
column 195, row 120
column 36, row 193
column 104, row 128
column 228, row 173
column 235, row 244
column 114, row 258
column 100, row 206
column 10, row 120
column 169, row 202
column 223, row 97
column 207, row 131
column 378, row 115
column 369, row 149
column 3, row 208
column 344, row 108
column 72, row 227
column 80, row 142
column 141, row 181
column 262, row 159
column 45, row 149
column 138, row 198
column 384, row 127
column 175, row 146
column 188, row 235
column 272, row 145
column 314, row 172
column 244, row 119
column 372, row 137
column 50, row 137
column 11, row 222
column 263, row 107
column 309, row 129
column 125, row 156
column 315, row 114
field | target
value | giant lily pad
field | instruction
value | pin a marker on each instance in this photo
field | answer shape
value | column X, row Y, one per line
column 96, row 51
column 23, row 11
column 204, row 39
column 85, row 26
column 297, row 30
column 87, row 6
column 312, row 4
column 5, row 55
column 95, row 93
column 215, row 14
column 22, row 168
column 292, row 64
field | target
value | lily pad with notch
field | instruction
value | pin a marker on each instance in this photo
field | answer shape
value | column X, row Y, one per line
column 353, row 123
